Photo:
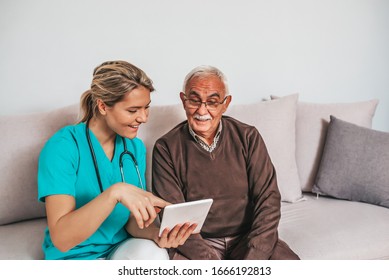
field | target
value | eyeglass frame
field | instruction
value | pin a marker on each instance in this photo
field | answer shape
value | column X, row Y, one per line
column 205, row 102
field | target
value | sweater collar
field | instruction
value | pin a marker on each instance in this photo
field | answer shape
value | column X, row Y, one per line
column 205, row 146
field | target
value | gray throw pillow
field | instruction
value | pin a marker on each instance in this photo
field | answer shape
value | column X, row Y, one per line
column 354, row 164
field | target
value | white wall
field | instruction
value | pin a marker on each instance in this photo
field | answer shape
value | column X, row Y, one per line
column 328, row 51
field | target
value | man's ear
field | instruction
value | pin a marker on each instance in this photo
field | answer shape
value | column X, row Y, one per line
column 101, row 107
column 182, row 96
column 227, row 103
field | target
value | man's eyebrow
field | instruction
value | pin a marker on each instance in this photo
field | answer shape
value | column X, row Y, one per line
column 216, row 94
column 192, row 92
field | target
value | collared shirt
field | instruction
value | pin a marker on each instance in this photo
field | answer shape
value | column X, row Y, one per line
column 205, row 146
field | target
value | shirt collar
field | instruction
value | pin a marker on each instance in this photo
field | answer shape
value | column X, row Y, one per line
column 205, row 146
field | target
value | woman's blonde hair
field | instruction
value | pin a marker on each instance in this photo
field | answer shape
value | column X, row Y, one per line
column 112, row 80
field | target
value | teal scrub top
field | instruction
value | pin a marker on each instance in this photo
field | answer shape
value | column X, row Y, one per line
column 66, row 167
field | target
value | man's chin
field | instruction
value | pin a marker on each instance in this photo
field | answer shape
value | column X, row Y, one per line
column 201, row 125
column 201, row 130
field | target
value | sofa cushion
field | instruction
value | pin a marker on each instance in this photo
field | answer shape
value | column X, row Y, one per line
column 335, row 229
column 275, row 120
column 311, row 126
column 23, row 139
column 161, row 119
column 355, row 164
column 23, row 240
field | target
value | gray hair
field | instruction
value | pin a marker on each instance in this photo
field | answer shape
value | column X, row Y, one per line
column 204, row 71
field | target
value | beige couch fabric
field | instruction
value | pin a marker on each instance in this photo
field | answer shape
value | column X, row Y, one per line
column 316, row 229
column 22, row 140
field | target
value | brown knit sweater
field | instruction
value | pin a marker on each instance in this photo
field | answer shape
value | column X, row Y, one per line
column 238, row 175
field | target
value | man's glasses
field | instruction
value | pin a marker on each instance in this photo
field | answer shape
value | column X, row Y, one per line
column 211, row 105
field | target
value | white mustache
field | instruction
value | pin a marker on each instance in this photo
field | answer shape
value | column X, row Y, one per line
column 202, row 118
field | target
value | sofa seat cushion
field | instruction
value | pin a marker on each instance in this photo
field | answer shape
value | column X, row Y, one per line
column 22, row 240
column 332, row 229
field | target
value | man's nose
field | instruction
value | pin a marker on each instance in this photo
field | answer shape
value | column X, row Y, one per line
column 202, row 109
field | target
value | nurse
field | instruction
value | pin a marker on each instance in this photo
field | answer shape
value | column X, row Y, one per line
column 91, row 176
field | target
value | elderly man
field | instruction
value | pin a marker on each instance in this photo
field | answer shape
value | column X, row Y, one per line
column 215, row 156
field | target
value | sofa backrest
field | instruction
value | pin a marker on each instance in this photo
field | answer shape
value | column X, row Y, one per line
column 22, row 140
column 161, row 120
column 285, row 125
column 25, row 135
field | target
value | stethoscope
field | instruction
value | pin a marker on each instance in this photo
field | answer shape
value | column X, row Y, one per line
column 125, row 152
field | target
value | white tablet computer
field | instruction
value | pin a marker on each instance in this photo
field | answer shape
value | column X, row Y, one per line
column 180, row 213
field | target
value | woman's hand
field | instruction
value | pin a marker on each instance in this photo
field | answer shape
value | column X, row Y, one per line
column 142, row 204
column 175, row 237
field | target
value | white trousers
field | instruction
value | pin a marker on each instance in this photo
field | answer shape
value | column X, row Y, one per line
column 138, row 249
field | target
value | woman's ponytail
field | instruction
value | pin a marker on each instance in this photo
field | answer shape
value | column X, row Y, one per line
column 87, row 106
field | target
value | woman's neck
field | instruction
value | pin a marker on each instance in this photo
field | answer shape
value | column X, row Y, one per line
column 104, row 135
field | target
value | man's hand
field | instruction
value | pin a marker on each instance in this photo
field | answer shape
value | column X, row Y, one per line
column 175, row 237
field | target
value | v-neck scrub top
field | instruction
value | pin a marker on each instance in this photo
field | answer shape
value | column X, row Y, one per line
column 66, row 167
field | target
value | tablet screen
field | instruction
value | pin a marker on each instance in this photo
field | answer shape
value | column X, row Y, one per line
column 180, row 213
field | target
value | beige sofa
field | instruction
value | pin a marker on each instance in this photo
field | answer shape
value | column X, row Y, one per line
column 294, row 131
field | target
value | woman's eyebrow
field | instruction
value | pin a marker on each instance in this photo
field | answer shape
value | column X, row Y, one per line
column 138, row 107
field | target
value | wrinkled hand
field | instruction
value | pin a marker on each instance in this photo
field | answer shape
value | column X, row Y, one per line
column 175, row 237
column 143, row 205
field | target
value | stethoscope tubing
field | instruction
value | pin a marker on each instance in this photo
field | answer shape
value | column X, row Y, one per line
column 125, row 152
